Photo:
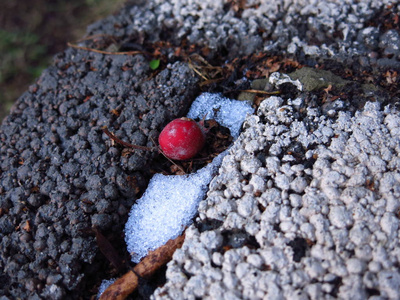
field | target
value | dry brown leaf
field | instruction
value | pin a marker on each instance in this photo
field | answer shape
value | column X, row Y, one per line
column 328, row 89
column 28, row 226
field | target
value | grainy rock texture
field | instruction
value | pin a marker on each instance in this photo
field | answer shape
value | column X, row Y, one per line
column 60, row 174
column 305, row 206
column 348, row 31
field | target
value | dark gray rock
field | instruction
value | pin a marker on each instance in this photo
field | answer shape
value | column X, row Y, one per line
column 60, row 174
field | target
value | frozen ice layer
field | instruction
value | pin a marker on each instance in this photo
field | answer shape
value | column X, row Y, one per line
column 170, row 202
column 227, row 112
column 165, row 209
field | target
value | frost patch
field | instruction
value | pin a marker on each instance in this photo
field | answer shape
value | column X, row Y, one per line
column 170, row 202
column 227, row 112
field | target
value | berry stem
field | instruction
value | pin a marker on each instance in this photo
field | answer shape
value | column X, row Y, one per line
column 170, row 160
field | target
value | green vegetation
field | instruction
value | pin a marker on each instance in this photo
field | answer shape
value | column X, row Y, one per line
column 19, row 49
column 32, row 31
column 154, row 64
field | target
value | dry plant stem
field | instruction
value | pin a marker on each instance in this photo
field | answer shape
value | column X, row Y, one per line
column 171, row 161
column 127, row 284
column 210, row 81
column 95, row 36
column 261, row 92
column 197, row 72
column 107, row 52
column 108, row 250
column 125, row 144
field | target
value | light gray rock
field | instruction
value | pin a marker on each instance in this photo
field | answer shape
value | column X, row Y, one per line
column 328, row 230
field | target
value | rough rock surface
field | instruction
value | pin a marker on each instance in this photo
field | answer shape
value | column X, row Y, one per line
column 60, row 174
column 356, row 32
column 306, row 205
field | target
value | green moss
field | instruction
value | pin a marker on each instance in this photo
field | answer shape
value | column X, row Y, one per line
column 33, row 31
column 315, row 79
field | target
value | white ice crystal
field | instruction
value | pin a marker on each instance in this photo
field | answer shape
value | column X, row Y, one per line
column 170, row 202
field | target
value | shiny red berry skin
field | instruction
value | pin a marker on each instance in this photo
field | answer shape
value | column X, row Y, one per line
column 181, row 139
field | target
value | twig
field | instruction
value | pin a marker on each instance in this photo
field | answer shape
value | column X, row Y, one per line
column 95, row 36
column 260, row 92
column 107, row 52
column 126, row 284
column 125, row 144
column 210, row 81
column 170, row 160
column 197, row 71
column 108, row 250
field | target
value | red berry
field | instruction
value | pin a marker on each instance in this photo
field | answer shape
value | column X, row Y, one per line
column 181, row 139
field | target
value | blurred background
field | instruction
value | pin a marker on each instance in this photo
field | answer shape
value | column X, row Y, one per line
column 32, row 31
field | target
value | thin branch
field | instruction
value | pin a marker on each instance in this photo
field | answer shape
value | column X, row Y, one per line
column 210, row 81
column 128, row 283
column 107, row 52
column 125, row 144
column 197, row 71
column 95, row 36
column 108, row 250
column 260, row 92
